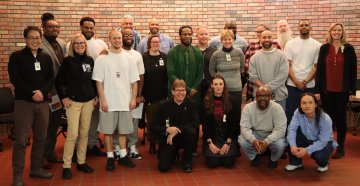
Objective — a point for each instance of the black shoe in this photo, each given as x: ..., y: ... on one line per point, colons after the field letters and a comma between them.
x: 116, y: 156
x: 66, y: 175
x: 152, y: 149
x: 340, y: 152
x: 256, y: 161
x: 272, y: 164
x: 95, y: 151
x: 126, y: 161
x: 18, y: 181
x: 41, y: 173
x: 188, y: 168
x: 110, y: 164
x: 84, y: 168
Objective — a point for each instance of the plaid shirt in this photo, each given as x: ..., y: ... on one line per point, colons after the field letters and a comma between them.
x: 251, y: 50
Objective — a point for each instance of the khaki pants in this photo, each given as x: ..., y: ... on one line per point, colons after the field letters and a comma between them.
x: 78, y: 119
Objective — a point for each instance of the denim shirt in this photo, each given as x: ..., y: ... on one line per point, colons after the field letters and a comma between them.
x: 319, y: 135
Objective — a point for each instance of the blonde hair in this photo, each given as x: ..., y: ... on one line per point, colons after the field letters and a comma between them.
x: 329, y: 38
x: 71, y: 51
x: 226, y: 33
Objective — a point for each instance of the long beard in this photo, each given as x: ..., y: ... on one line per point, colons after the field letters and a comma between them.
x: 283, y: 38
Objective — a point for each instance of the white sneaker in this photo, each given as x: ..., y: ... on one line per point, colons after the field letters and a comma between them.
x: 290, y: 168
x: 134, y: 153
x: 323, y: 169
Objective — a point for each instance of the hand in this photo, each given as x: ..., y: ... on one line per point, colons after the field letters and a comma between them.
x: 352, y: 98
x: 317, y: 96
x: 66, y: 102
x: 294, y: 150
x: 132, y: 104
x: 38, y: 96
x: 95, y: 101
x: 263, y: 146
x: 104, y: 105
x: 224, y: 149
x: 257, y: 146
x: 193, y: 92
x: 173, y: 130
x: 213, y: 148
x: 169, y: 138
x: 301, y: 152
x: 104, y: 52
x: 139, y: 99
x: 300, y: 85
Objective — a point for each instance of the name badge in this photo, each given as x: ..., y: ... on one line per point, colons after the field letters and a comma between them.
x: 228, y: 57
x: 224, y: 118
x: 37, y: 66
x: 161, y: 62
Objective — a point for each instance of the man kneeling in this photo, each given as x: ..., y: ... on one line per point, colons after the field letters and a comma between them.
x: 175, y: 122
x: 263, y: 125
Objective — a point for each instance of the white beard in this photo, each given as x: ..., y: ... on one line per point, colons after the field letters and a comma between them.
x: 283, y: 38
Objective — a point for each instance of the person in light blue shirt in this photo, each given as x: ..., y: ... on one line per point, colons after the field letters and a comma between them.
x: 310, y: 132
x: 166, y: 42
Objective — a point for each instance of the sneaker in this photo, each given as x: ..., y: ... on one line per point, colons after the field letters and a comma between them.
x: 84, y: 168
x: 256, y: 161
x: 323, y: 169
x: 272, y: 164
x: 290, y: 168
x: 187, y: 168
x: 116, y: 156
x: 95, y: 151
x: 134, y: 154
x: 110, y: 164
x: 126, y: 161
x: 66, y: 174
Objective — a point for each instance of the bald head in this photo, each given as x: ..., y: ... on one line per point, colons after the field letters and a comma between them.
x: 263, y: 97
x: 154, y: 26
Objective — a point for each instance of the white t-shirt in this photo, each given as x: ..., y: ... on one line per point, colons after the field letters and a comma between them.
x: 304, y: 53
x: 95, y: 46
x: 116, y: 72
x: 138, y: 59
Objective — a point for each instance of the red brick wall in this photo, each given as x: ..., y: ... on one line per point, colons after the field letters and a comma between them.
x: 16, y: 14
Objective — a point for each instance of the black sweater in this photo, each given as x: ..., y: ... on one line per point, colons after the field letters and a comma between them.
x: 350, y: 69
x: 73, y: 81
x: 183, y: 116
x: 25, y: 78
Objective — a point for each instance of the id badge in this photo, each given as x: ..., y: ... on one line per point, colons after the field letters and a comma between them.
x: 228, y: 57
x: 161, y: 62
x: 37, y: 66
x: 224, y: 118
x: 84, y: 67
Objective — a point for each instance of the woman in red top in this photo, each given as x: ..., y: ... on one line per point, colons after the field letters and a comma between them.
x: 336, y: 79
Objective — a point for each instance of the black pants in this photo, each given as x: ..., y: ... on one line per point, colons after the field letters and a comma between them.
x: 335, y: 105
x: 53, y: 127
x: 213, y: 162
x: 167, y: 153
x: 321, y: 157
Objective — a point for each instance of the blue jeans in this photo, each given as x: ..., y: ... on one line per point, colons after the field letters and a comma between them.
x: 276, y: 148
x: 292, y: 101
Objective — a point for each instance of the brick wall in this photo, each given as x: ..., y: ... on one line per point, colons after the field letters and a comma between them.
x: 16, y: 14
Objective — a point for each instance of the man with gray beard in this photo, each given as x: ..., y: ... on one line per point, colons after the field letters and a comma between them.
x: 284, y: 33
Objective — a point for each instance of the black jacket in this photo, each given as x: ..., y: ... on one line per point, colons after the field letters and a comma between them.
x: 25, y: 78
x: 350, y: 69
x: 73, y: 81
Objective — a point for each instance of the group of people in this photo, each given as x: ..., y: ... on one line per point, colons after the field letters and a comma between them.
x: 174, y: 88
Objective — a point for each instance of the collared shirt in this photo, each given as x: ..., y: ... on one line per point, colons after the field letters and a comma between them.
x: 239, y: 43
x: 320, y: 135
x: 166, y: 43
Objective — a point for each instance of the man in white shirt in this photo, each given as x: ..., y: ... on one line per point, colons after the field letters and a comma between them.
x: 116, y: 79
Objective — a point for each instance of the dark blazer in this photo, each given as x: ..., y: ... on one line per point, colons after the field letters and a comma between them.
x: 350, y: 69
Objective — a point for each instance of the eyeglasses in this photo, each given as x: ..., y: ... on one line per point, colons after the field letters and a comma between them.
x: 34, y: 38
x: 53, y: 26
x: 259, y: 31
x: 128, y: 35
x: 79, y: 43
